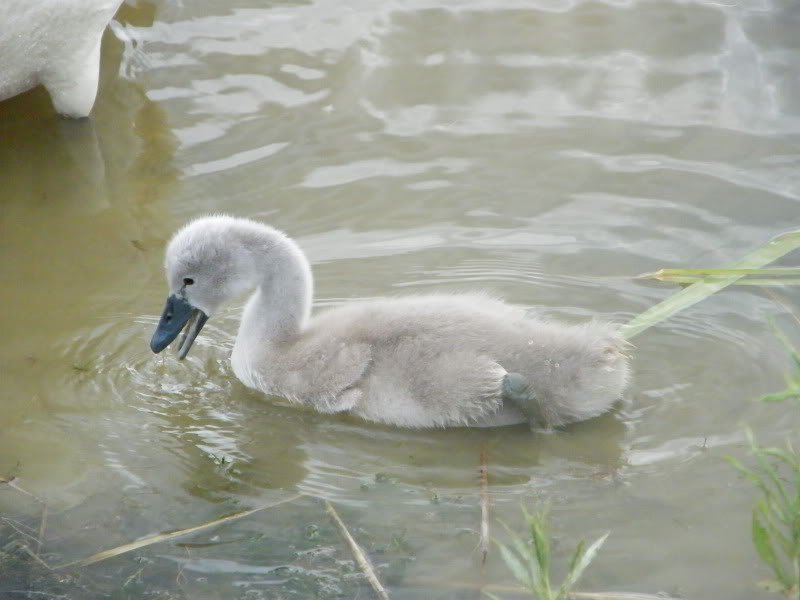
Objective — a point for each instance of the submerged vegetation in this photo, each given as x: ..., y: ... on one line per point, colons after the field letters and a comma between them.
x: 775, y: 525
x: 529, y: 561
x: 295, y: 566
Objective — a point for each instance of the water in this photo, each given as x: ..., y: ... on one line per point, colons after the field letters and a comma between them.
x: 540, y: 149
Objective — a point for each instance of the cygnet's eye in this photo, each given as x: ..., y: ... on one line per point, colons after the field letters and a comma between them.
x: 188, y: 281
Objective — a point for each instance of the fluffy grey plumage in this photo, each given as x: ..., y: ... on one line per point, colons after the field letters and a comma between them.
x: 414, y: 361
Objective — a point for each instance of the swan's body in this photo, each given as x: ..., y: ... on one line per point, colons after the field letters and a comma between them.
x: 416, y: 361
x: 55, y: 43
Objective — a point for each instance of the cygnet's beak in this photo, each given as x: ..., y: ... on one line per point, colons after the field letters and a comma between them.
x: 177, y: 313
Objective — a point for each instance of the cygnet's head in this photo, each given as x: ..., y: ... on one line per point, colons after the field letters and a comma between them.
x: 206, y: 263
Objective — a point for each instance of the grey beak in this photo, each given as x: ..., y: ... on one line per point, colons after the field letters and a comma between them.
x: 177, y: 314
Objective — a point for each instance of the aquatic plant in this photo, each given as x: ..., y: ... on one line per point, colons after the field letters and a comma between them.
x: 529, y: 560
x: 704, y: 282
x: 775, y: 524
x: 792, y: 391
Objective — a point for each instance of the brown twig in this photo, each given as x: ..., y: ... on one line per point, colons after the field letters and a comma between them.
x: 35, y: 556
x: 10, y: 482
x: 358, y: 554
x: 483, y: 475
x: 42, y: 526
x: 15, y: 526
x: 106, y: 554
x: 180, y: 578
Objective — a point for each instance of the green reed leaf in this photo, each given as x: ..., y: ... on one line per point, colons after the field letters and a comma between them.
x: 763, y: 545
x: 696, y: 292
x: 515, y: 565
x: 580, y: 560
x: 774, y: 525
x: 533, y: 572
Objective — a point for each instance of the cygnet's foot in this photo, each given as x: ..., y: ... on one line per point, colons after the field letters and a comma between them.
x: 516, y: 389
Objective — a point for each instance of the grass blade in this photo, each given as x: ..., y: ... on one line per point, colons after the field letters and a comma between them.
x: 696, y: 292
x: 787, y: 344
x: 765, y: 550
x: 580, y: 561
x: 771, y: 272
x: 620, y: 596
x: 42, y: 526
x: 489, y: 589
x: 770, y: 471
x: 773, y: 522
x: 755, y: 281
x: 106, y: 554
x: 569, y: 578
x: 768, y: 276
x: 541, y: 546
x: 781, y: 396
x: 358, y: 554
x: 34, y: 556
x: 11, y: 482
x: 515, y: 565
x: 783, y: 455
x: 534, y: 576
x: 483, y: 476
x: 748, y: 474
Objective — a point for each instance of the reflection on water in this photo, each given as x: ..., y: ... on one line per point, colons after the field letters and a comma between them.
x: 81, y: 204
x: 537, y: 149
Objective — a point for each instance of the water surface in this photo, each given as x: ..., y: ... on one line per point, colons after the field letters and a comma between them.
x: 543, y: 150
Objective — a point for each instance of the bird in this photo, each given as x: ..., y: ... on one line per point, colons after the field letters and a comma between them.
x: 55, y: 43
x: 418, y: 361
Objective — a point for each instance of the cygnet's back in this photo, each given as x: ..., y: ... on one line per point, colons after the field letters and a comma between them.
x: 439, y: 360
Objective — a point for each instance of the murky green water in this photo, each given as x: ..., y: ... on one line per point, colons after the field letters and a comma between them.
x: 532, y: 148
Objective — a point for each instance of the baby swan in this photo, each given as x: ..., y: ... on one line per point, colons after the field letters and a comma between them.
x: 416, y: 361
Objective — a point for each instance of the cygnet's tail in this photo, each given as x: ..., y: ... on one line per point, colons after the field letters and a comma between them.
x: 599, y: 382
x: 586, y: 372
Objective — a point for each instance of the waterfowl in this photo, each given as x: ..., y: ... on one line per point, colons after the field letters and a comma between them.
x: 55, y: 43
x: 415, y: 361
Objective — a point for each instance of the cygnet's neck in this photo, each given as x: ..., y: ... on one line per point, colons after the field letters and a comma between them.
x: 281, y: 305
